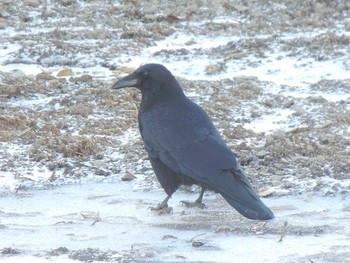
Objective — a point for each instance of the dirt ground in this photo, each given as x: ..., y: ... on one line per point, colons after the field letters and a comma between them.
x: 64, y: 123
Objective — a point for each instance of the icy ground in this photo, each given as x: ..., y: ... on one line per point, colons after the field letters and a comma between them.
x: 70, y: 220
x: 274, y: 76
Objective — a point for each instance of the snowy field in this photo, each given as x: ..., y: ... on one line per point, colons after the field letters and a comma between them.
x: 75, y: 182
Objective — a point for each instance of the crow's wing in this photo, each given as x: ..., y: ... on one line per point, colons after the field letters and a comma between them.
x: 174, y: 125
x: 213, y: 165
x: 182, y: 124
x: 182, y: 136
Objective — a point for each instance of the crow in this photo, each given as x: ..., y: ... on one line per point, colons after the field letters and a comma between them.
x: 184, y: 146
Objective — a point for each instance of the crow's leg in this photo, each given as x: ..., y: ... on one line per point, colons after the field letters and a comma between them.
x: 197, y: 203
x: 163, y: 207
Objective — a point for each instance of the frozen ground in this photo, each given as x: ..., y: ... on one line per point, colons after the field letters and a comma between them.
x: 273, y: 75
x: 99, y: 221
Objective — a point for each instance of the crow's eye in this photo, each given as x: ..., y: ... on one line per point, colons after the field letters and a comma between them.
x: 144, y: 74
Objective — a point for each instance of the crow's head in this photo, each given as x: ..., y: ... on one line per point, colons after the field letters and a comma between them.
x: 154, y: 81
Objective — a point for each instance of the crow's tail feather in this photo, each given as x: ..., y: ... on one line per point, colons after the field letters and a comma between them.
x: 255, y: 209
x: 239, y: 194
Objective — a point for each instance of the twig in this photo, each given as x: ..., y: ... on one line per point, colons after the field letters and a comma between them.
x: 24, y: 132
x: 197, y: 236
x: 283, y: 231
x: 98, y: 171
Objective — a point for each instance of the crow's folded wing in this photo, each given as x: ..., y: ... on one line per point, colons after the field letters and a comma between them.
x: 213, y: 165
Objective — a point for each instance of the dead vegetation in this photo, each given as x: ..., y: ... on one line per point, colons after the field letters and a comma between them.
x: 15, y: 127
x: 84, y: 119
x: 68, y: 145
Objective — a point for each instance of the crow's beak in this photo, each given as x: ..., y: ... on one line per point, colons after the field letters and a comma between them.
x: 128, y: 81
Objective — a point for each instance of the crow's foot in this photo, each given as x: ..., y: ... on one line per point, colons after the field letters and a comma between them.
x: 163, y: 208
x: 194, y: 204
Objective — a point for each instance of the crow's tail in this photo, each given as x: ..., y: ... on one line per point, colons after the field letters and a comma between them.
x: 239, y: 194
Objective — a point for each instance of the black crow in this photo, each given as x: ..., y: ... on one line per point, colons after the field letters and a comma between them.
x: 184, y: 146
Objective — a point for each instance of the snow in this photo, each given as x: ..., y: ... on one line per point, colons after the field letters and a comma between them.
x: 113, y: 221
x: 276, y: 67
x: 33, y: 259
x: 271, y: 122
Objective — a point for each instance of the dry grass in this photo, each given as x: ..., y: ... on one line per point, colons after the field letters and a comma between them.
x: 15, y: 126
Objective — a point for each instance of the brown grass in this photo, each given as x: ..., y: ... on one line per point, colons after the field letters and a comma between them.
x: 69, y: 146
x: 14, y: 126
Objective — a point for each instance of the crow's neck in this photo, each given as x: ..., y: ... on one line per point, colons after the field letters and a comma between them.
x: 158, y: 95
